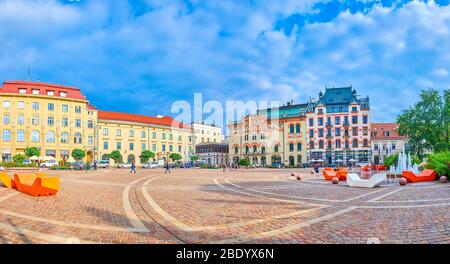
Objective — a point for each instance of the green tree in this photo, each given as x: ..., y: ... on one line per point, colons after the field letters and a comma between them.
x: 391, y: 160
x: 427, y: 123
x: 175, y: 157
x: 195, y: 158
x: 32, y: 151
x: 19, y: 158
x: 78, y: 154
x: 440, y: 162
x: 116, y: 156
x: 244, y: 162
x: 146, y: 155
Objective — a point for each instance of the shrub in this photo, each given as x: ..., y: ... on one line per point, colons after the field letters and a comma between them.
x: 19, y: 158
x: 60, y: 168
x: 32, y: 151
x: 15, y: 165
x: 78, y: 154
x: 440, y: 162
x: 244, y: 162
x: 391, y: 160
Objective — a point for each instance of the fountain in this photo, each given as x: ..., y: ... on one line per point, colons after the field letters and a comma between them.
x: 404, y: 163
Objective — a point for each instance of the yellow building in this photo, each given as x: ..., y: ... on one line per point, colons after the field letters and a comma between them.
x: 131, y: 134
x: 270, y: 137
x: 54, y: 118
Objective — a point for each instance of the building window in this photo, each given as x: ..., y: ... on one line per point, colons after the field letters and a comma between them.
x: 64, y: 137
x: 365, y: 143
x: 311, y: 144
x: 299, y: 146
x: 105, y: 145
x: 105, y: 131
x: 297, y: 128
x: 170, y: 136
x: 375, y: 146
x: 78, y: 109
x: 51, y: 106
x: 365, y: 120
x: 320, y: 121
x: 163, y: 136
x: 65, y: 108
x: 354, y: 109
x: 365, y: 131
x: 153, y: 135
x: 118, y: 145
x: 35, y: 105
x: 354, y: 119
x: 386, y: 133
x: 6, y: 104
x: 311, y: 122
x: 20, y: 136
x: 77, y: 122
x: 338, y: 143
x: 131, y: 146
x: 163, y: 147
x: 6, y: 119
x: 143, y: 135
x: 321, y: 132
x: 263, y: 150
x: 77, y: 138
x: 355, y: 131
x: 35, y: 91
x: 153, y: 147
x: 20, y: 119
x: 179, y: 149
x: 35, y: 120
x: 337, y: 120
x: 291, y: 129
x: 247, y: 150
x: 236, y: 150
x: 90, y: 140
x: 180, y: 138
x: 35, y: 136
x: 50, y: 138
x: 320, y: 144
x: 392, y: 146
x: 143, y: 146
x: 311, y: 133
x: 6, y: 135
x: 291, y: 147
x: 63, y: 94
x: 90, y: 124
x: 346, y: 144
x: 276, y: 148
x: 21, y: 105
x: 50, y: 120
x: 50, y: 92
x: 118, y: 132
x: 22, y: 90
x: 355, y: 143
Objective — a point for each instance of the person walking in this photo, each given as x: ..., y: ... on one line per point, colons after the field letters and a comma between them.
x: 167, y: 167
x: 133, y: 168
x: 223, y: 166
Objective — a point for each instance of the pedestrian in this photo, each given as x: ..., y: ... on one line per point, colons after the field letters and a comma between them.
x: 133, y: 168
x: 223, y: 166
x: 167, y: 167
x: 95, y: 165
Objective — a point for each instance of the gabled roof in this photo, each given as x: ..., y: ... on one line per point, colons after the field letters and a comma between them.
x: 151, y: 120
x: 381, y: 127
x: 342, y: 95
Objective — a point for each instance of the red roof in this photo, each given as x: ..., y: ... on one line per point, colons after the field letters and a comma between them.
x: 162, y: 121
x: 14, y: 86
x: 381, y: 127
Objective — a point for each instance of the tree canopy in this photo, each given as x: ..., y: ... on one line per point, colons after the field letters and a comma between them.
x: 175, y: 156
x: 426, y: 124
x: 78, y: 154
x: 116, y: 156
x: 32, y: 151
x: 146, y: 155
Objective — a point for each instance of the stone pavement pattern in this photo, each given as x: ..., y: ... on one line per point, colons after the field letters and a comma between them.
x: 210, y: 206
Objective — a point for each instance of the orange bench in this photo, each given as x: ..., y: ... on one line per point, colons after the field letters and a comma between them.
x: 38, y: 184
x: 7, y: 181
x: 425, y: 175
x: 330, y: 173
x: 380, y: 167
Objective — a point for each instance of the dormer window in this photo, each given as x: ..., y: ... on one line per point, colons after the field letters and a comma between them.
x: 35, y: 91
x: 22, y: 90
x: 50, y: 92
x: 63, y: 94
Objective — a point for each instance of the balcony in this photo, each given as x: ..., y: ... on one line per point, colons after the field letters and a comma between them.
x: 346, y: 124
x: 328, y: 125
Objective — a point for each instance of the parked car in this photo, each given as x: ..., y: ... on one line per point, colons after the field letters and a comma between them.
x: 49, y: 164
x: 27, y: 162
x: 150, y: 165
x: 78, y: 165
x: 103, y: 164
x: 124, y: 165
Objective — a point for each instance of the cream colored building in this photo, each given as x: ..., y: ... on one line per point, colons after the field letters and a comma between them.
x: 204, y: 133
x: 270, y: 137
x: 54, y: 118
x: 131, y: 134
x: 386, y: 141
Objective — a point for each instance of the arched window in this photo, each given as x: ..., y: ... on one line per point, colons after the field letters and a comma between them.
x: 320, y: 144
x: 255, y: 149
x: 50, y: 138
x: 338, y: 143
x: 263, y: 150
x: 297, y: 128
x: 291, y: 147
x: 35, y: 136
x: 64, y: 137
x: 299, y: 146
x: 236, y: 150
x: 291, y: 129
x: 355, y: 143
x: 299, y: 159
x: 276, y: 148
x: 247, y: 149
x: 6, y: 135
x: 365, y: 142
x: 20, y: 135
x: 77, y: 138
x: 311, y: 144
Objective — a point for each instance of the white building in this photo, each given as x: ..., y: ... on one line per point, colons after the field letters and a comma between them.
x: 214, y: 154
x: 204, y: 133
x: 386, y: 141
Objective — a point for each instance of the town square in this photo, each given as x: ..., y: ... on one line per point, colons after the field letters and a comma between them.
x: 224, y: 123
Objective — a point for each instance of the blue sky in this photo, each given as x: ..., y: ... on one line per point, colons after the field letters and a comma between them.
x: 142, y: 55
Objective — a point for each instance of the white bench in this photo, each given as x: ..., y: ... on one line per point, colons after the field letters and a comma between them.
x: 353, y: 180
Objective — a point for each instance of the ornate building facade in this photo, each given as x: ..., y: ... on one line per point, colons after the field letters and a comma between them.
x: 386, y: 141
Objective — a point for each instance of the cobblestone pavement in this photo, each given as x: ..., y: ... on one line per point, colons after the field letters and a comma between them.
x: 211, y: 206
